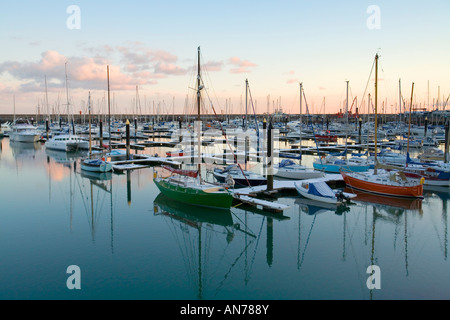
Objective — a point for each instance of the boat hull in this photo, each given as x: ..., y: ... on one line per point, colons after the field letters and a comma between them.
x: 335, y: 168
x: 304, y: 193
x: 26, y: 138
x: 240, y: 181
x: 219, y: 200
x: 103, y: 167
x: 298, y: 174
x: 415, y: 191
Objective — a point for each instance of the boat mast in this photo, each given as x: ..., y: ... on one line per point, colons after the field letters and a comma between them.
x: 301, y: 120
x: 90, y: 136
x: 409, y: 125
x: 67, y: 97
x: 246, y: 104
x: 109, y: 112
x: 346, y: 122
x: 199, y: 87
x: 376, y: 111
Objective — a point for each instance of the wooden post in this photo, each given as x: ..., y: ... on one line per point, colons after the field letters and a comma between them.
x: 270, y: 158
x: 446, y: 141
x: 128, y: 139
x: 47, y: 128
x: 360, y: 125
x: 101, y: 134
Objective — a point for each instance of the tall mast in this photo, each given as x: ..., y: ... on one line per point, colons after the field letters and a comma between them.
x: 199, y: 88
x: 346, y: 105
x: 90, y: 136
x: 109, y: 112
x: 46, y: 99
x: 301, y: 119
x: 400, y: 98
x: 67, y: 96
x: 246, y: 103
x: 376, y: 111
x: 409, y: 125
x: 198, y: 85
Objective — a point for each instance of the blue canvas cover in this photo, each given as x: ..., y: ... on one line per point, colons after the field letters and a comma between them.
x: 285, y: 163
x: 321, y: 189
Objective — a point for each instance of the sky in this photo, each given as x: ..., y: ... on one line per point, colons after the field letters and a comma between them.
x: 151, y: 50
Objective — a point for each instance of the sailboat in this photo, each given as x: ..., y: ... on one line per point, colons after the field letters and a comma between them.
x: 67, y: 142
x: 386, y: 183
x: 333, y: 163
x: 94, y: 165
x: 194, y: 190
x: 288, y: 169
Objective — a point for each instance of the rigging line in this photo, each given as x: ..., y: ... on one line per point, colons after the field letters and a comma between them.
x: 367, y: 85
x: 252, y: 234
x: 224, y: 134
x: 307, y: 241
x: 312, y: 128
x: 82, y: 197
x: 254, y: 112
x: 256, y: 245
x: 231, y: 268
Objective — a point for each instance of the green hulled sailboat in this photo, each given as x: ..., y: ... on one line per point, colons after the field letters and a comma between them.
x: 188, y: 186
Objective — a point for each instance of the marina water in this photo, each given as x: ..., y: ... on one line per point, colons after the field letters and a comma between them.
x: 130, y: 242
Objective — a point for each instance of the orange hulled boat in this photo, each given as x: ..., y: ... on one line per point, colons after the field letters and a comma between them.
x: 393, y: 184
x: 383, y: 182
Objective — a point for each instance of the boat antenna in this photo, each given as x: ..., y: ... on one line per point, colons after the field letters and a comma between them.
x: 376, y: 112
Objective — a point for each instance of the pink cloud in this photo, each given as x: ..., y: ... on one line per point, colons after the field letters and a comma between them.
x: 82, y: 72
x: 290, y: 81
x: 241, y: 66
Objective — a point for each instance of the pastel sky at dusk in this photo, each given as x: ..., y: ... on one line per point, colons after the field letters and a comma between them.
x: 274, y: 44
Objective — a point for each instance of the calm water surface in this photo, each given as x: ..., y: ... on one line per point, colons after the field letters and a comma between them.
x: 132, y: 243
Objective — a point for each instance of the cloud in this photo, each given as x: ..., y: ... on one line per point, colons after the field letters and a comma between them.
x: 290, y: 81
x: 240, y: 66
x: 140, y: 66
x: 82, y: 72
x: 211, y: 66
x: 168, y: 68
x: 138, y: 59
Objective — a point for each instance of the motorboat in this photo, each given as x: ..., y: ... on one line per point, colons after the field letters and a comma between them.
x: 238, y: 177
x: 288, y: 169
x: 320, y: 191
x: 67, y: 143
x: 23, y: 131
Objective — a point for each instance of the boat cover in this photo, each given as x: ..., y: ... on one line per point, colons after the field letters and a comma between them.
x: 188, y: 173
x: 286, y: 163
x: 321, y: 189
x: 94, y: 162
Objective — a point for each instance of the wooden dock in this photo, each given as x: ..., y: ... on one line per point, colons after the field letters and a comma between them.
x: 143, y: 162
x: 249, y: 195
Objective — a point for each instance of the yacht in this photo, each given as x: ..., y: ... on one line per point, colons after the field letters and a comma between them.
x: 67, y: 143
x: 23, y: 131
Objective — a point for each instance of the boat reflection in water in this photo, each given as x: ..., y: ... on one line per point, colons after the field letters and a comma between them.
x: 393, y: 202
x: 214, y: 231
x: 97, y: 176
x: 192, y: 215
x: 313, y: 207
